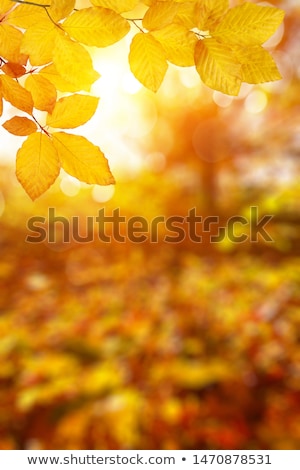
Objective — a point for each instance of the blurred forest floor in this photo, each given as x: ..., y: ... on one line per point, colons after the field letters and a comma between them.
x: 146, y: 346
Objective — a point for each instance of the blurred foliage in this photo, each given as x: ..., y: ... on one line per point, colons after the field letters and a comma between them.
x: 163, y: 346
x: 158, y: 346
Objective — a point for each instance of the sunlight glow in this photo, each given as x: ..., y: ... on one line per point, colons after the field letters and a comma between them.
x: 155, y: 162
x: 70, y: 186
x: 103, y: 193
x: 222, y: 100
x: 189, y: 77
x: 126, y: 113
x: 256, y: 102
x: 130, y: 84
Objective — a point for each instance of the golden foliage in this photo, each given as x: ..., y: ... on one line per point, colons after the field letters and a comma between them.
x: 178, y: 43
x: 119, y: 6
x: 42, y: 91
x: 217, y: 66
x: 147, y: 60
x: 17, y: 95
x: 20, y: 126
x: 10, y: 40
x: 248, y: 24
x: 46, y: 39
x: 82, y: 159
x: 74, y: 63
x: 96, y: 26
x: 160, y: 14
x: 72, y: 111
x: 37, y: 164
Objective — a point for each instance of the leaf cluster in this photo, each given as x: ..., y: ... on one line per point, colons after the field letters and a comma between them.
x: 44, y: 55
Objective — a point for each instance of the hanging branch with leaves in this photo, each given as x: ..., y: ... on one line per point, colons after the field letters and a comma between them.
x: 42, y: 51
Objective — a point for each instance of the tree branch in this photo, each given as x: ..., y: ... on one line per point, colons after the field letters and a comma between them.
x: 30, y: 3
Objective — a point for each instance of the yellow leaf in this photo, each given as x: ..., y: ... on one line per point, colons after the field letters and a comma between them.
x: 5, y: 6
x: 96, y: 26
x: 248, y: 25
x: 13, y: 70
x: 178, y: 43
x: 201, y: 14
x: 117, y: 5
x: 258, y: 65
x: 160, y: 15
x: 38, y: 42
x: 82, y: 159
x: 25, y: 16
x: 20, y: 126
x: 217, y: 66
x: 147, y: 60
x: 43, y: 92
x: 186, y: 15
x: 61, y: 9
x: 72, y: 111
x: 10, y: 44
x: 16, y: 94
x: 74, y: 63
x: 57, y: 80
x: 210, y: 12
x: 37, y: 165
x: 1, y: 106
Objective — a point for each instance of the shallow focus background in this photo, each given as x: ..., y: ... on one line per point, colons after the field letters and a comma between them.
x: 161, y: 346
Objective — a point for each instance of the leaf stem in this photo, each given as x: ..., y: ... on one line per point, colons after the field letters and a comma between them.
x: 200, y: 36
x: 40, y: 126
x: 51, y: 19
x: 134, y: 20
x: 25, y: 2
x: 30, y: 3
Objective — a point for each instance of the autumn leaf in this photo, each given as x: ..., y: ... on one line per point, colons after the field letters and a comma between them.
x: 37, y: 165
x: 258, y: 66
x: 13, y: 92
x: 120, y: 6
x: 1, y: 105
x: 24, y: 16
x: 209, y: 12
x: 178, y: 44
x: 74, y: 63
x: 248, y: 25
x: 72, y: 111
x: 160, y: 15
x: 217, y: 66
x: 10, y: 44
x: 61, y: 9
x: 46, y: 41
x: 39, y: 41
x: 5, y: 6
x: 20, y: 126
x: 96, y: 26
x: 82, y: 159
x: 186, y: 15
x: 60, y: 83
x: 42, y: 91
x: 13, y: 70
x: 147, y: 60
